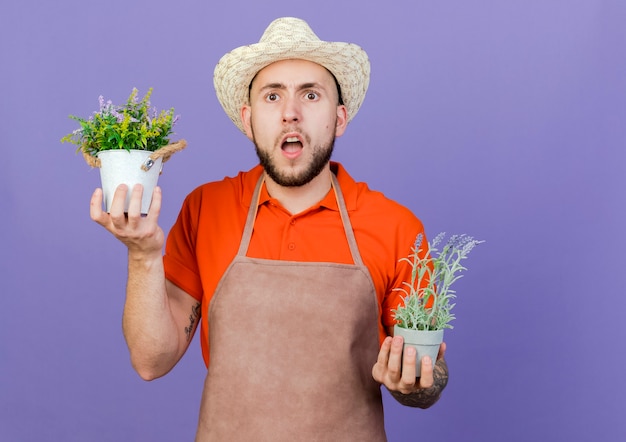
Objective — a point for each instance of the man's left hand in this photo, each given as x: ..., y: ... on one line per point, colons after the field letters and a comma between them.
x: 397, y: 371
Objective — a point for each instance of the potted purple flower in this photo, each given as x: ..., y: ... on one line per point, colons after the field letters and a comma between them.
x: 426, y: 310
x: 129, y: 143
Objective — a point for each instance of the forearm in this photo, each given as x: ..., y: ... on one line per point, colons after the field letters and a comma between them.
x: 151, y: 332
x: 426, y: 397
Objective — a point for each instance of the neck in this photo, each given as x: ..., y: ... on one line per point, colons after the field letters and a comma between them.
x: 298, y: 199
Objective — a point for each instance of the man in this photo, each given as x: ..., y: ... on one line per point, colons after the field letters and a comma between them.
x: 291, y: 265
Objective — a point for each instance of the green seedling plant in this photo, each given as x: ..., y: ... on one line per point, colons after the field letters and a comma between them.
x: 134, y: 125
x: 429, y: 298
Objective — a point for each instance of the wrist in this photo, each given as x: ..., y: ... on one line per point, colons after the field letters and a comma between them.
x: 420, y: 398
x: 144, y: 257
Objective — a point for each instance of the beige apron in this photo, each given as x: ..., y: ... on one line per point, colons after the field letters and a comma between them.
x: 292, y: 349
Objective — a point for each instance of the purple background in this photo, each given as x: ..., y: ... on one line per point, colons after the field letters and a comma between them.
x: 502, y: 119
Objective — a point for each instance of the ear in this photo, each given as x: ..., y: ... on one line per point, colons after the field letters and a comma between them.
x: 342, y: 120
x: 246, y: 114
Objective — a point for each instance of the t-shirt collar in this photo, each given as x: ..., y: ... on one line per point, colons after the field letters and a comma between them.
x: 346, y: 182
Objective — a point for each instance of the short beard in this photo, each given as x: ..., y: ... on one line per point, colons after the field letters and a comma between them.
x: 321, y: 157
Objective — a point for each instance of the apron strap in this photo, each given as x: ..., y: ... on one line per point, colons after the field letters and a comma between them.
x: 254, y: 205
x: 347, y: 225
x: 343, y: 211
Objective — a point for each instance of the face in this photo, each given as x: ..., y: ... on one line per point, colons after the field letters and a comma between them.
x: 293, y: 119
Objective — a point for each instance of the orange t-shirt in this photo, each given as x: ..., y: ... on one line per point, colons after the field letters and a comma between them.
x: 206, y: 236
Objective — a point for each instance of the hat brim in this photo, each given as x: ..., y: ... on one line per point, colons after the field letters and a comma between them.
x: 236, y: 70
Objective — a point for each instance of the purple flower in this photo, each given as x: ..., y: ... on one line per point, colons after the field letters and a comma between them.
x: 117, y: 115
x: 418, y: 240
x: 469, y: 245
x: 437, y: 239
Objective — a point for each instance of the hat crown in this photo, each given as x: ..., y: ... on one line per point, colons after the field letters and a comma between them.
x: 288, y: 29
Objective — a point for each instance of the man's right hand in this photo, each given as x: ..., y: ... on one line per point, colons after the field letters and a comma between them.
x: 141, y: 234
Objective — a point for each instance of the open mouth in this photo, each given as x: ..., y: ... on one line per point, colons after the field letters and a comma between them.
x: 292, y: 146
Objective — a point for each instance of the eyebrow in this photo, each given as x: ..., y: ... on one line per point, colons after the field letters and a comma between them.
x: 300, y: 87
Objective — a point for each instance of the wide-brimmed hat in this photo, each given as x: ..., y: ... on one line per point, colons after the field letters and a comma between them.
x: 290, y: 38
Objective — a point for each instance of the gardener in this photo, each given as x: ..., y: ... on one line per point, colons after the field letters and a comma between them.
x: 291, y: 265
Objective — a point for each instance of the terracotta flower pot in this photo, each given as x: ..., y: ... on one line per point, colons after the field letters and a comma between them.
x: 125, y: 167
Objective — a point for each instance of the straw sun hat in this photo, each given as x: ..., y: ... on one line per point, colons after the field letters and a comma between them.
x: 290, y: 38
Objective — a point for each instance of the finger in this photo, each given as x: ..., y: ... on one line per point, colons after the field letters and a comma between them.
x: 394, y: 365
x: 155, y: 205
x: 426, y: 376
x: 134, y: 205
x: 442, y: 351
x: 408, y: 368
x: 117, y: 206
x: 380, y: 367
x: 383, y: 354
x: 95, y: 206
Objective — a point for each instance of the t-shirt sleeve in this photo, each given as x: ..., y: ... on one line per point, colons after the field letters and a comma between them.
x: 180, y: 260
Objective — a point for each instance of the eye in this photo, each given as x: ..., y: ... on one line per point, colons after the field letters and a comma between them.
x: 311, y: 96
x: 272, y: 97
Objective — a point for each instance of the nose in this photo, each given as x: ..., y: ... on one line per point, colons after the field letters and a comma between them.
x: 291, y: 110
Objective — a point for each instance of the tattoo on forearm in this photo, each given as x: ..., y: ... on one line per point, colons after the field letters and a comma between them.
x: 193, y: 317
x: 425, y: 397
